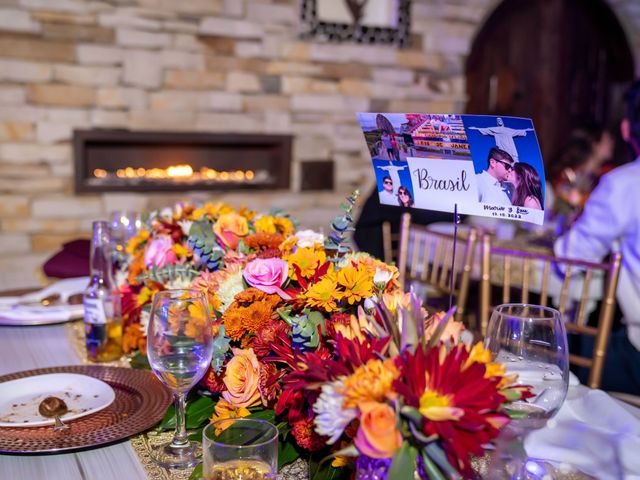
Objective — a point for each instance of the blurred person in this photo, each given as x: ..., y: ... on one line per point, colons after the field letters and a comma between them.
x: 577, y: 170
x: 404, y: 197
x: 527, y: 187
x: 491, y: 181
x: 611, y: 222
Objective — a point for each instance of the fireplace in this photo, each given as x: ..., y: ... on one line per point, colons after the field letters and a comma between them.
x: 120, y: 160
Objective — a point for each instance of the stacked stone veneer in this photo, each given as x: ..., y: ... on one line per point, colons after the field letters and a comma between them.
x: 204, y: 66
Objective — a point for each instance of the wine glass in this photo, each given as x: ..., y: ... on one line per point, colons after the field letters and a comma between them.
x: 530, y: 341
x: 179, y: 347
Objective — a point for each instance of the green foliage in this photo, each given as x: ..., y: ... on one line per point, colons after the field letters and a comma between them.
x: 204, y: 244
x: 320, y: 469
x: 220, y: 349
x: 403, y: 464
x: 197, y: 473
x: 169, y: 273
x: 340, y: 227
x: 197, y: 414
x: 139, y: 361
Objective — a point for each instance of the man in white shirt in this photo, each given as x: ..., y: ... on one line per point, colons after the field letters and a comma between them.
x: 387, y: 197
x: 490, y: 189
x: 611, y: 222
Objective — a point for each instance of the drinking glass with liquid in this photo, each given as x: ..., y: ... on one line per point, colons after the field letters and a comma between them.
x: 101, y: 298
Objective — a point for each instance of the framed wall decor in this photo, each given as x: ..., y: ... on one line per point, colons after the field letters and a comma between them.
x: 361, y: 21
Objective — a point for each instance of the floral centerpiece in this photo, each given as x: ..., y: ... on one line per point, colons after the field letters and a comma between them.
x: 321, y: 342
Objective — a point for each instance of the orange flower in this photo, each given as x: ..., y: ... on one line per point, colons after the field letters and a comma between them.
x: 241, y: 378
x: 307, y: 259
x: 265, y: 223
x: 378, y: 435
x: 225, y: 410
x: 369, y: 383
x: 230, y: 227
x: 263, y: 240
x: 284, y: 226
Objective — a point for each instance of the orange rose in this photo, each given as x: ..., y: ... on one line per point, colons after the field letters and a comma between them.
x: 230, y: 227
x: 241, y: 379
x: 378, y: 435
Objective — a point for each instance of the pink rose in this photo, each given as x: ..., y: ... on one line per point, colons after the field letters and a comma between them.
x: 160, y: 252
x: 267, y: 274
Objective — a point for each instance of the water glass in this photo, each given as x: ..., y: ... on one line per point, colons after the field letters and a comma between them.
x: 179, y: 347
x: 240, y: 449
x: 531, y: 341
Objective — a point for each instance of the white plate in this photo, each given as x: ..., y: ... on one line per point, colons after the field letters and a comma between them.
x: 16, y: 315
x: 19, y: 399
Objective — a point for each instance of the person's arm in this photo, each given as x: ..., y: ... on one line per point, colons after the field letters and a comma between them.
x: 603, y: 220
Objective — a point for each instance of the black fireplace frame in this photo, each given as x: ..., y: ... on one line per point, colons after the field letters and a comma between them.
x: 276, y: 150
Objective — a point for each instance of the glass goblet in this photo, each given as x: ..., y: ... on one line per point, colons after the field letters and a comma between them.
x: 240, y: 449
x: 530, y: 341
x: 179, y: 347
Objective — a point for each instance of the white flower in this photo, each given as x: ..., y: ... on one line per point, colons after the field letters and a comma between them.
x: 331, y: 417
x: 144, y: 320
x: 308, y: 238
x: 229, y: 288
x: 185, y: 225
x: 353, y: 256
x: 382, y: 277
x: 166, y: 213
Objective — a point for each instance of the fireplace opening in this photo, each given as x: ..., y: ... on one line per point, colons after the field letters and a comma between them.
x: 120, y: 160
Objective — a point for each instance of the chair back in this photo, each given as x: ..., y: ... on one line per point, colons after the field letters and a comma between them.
x: 389, y: 243
x: 574, y: 285
x: 426, y: 257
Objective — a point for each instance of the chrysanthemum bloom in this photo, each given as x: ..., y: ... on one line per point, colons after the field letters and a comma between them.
x: 307, y: 259
x: 331, y: 417
x: 357, y: 284
x: 263, y: 240
x: 457, y: 401
x: 369, y: 383
x: 284, y: 226
x: 323, y: 295
x: 264, y: 223
x: 305, y: 435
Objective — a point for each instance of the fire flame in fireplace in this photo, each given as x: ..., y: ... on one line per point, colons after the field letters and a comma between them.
x: 181, y: 172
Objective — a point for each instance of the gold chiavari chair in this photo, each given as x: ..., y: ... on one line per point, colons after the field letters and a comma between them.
x: 389, y: 243
x: 518, y: 275
x: 425, y: 257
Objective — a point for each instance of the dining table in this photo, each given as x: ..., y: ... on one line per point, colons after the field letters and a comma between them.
x: 32, y: 347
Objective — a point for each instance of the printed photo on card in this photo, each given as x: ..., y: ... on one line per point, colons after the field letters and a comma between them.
x: 486, y: 165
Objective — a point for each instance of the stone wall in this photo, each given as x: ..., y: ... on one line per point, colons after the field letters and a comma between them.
x: 204, y: 66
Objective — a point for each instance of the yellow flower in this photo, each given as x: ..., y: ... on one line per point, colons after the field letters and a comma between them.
x: 284, y: 226
x: 180, y: 250
x: 211, y: 210
x: 136, y: 241
x: 265, y: 223
x: 480, y: 354
x: 438, y: 408
x: 307, y: 259
x: 323, y: 294
x: 357, y: 325
x: 357, y: 284
x: 145, y: 295
x: 369, y: 383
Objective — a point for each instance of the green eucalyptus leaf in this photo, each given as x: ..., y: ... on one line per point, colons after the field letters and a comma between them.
x: 197, y: 473
x: 139, y: 361
x: 198, y: 412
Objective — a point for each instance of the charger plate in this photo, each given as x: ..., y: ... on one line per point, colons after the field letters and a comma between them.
x: 140, y: 402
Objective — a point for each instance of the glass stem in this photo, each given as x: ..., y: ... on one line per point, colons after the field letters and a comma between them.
x: 180, y: 437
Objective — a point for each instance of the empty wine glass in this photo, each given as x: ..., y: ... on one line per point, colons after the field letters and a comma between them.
x: 179, y: 347
x: 530, y: 341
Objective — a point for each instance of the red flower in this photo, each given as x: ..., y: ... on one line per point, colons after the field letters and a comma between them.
x: 458, y: 404
x: 337, y: 318
x: 266, y: 336
x: 269, y: 382
x: 213, y: 381
x: 305, y: 435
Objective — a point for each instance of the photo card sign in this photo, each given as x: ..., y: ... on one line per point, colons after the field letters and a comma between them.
x: 489, y: 166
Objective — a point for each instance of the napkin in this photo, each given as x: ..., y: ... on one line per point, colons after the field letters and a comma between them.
x: 593, y: 433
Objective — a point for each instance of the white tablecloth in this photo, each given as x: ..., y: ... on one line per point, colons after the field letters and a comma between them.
x: 25, y: 348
